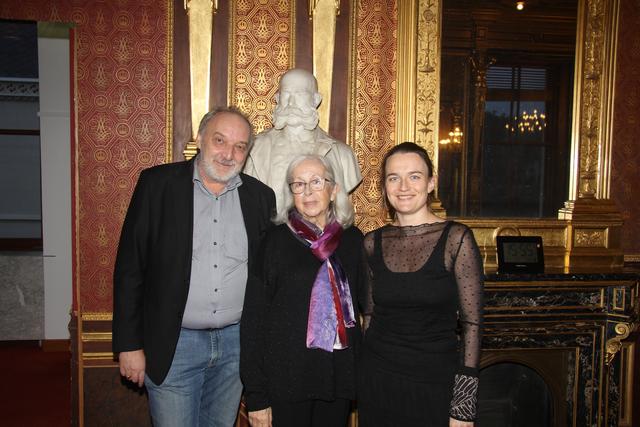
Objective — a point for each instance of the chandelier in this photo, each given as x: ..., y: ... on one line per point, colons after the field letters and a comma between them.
x: 528, y: 122
x: 455, y: 137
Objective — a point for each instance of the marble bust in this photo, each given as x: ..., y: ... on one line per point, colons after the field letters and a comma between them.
x: 295, y: 131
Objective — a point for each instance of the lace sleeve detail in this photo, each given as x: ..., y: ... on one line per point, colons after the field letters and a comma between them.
x: 464, y: 402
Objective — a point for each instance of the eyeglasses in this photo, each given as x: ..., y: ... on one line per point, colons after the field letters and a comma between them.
x: 317, y: 184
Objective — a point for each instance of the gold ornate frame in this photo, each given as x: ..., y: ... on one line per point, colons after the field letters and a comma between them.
x: 586, y: 234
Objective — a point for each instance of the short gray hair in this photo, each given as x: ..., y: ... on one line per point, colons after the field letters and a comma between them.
x: 231, y: 110
x: 341, y: 208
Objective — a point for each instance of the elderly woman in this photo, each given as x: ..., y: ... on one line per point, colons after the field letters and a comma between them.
x: 426, y: 283
x: 300, y: 327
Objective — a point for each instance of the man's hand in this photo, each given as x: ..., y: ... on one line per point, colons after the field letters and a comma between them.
x: 132, y: 364
x: 261, y: 418
x: 457, y: 423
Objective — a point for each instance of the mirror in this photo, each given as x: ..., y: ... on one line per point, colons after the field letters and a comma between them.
x: 506, y: 100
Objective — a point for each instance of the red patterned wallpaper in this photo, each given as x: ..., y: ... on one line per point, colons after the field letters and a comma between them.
x: 625, y: 174
x: 374, y: 109
x: 121, y: 104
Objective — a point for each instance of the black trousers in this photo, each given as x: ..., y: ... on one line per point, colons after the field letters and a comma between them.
x: 311, y: 413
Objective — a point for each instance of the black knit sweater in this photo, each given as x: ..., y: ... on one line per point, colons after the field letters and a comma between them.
x: 275, y: 364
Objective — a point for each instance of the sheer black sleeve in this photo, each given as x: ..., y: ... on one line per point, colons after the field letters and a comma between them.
x: 466, y: 264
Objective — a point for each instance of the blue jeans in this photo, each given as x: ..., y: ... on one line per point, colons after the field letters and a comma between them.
x: 203, y: 385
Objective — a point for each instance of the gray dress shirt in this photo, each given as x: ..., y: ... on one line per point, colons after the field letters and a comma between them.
x: 219, y: 258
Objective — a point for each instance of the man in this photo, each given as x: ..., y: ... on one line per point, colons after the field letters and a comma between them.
x: 186, y: 252
x: 295, y: 131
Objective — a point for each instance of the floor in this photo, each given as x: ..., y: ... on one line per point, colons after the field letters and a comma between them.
x: 37, y: 385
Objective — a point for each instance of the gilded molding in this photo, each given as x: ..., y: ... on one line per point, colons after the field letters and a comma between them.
x: 96, y: 336
x: 93, y: 316
x: 619, y: 299
x: 200, y: 13
x: 168, y: 157
x: 406, y: 65
x: 593, y: 100
x: 428, y: 77
x: 323, y: 14
x: 614, y: 344
x: 632, y: 258
x: 92, y: 356
x: 626, y: 392
x: 352, y: 70
x: 485, y: 230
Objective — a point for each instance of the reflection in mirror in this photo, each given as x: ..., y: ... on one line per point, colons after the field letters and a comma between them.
x: 505, y: 111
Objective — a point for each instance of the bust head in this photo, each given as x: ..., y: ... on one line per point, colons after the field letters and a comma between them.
x: 297, y: 100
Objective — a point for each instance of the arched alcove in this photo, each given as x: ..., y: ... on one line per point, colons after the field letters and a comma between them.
x: 512, y: 394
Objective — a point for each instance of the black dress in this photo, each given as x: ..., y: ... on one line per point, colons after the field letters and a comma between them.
x: 275, y: 364
x: 421, y: 351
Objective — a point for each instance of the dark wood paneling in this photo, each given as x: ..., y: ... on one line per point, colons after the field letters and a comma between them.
x: 109, y: 400
x: 220, y: 56
x: 303, y: 37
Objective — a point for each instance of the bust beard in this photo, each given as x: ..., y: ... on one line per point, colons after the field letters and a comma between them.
x: 290, y: 116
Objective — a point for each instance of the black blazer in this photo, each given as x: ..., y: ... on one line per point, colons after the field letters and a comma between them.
x: 153, y: 264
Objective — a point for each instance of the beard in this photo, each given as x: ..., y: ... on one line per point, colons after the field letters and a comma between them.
x: 209, y: 168
x: 307, y: 117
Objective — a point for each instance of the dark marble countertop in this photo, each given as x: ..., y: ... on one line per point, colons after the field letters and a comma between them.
x: 621, y: 274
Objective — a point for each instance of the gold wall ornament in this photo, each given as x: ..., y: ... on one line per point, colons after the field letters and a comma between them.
x: 593, y: 99
x: 261, y: 48
x: 323, y: 14
x: 590, y: 238
x: 428, y: 76
x: 200, y: 14
x: 418, y: 96
x: 614, y: 344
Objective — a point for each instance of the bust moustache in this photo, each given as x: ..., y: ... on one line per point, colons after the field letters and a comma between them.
x: 305, y: 116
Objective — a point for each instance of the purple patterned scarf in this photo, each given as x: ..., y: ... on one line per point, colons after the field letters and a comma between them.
x: 331, y: 306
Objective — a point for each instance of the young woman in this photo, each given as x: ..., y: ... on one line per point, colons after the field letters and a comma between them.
x: 425, y: 287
